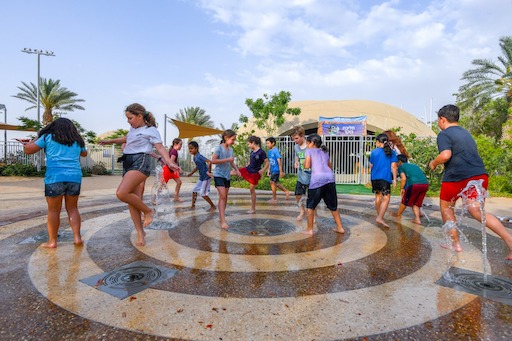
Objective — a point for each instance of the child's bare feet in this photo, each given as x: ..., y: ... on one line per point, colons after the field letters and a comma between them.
x: 78, y: 242
x: 178, y: 200
x: 287, y: 195
x: 300, y: 216
x: 381, y: 222
x: 49, y: 245
x: 416, y: 221
x: 141, y: 240
x: 509, y: 256
x: 224, y: 225
x: 148, y: 218
x: 212, y: 209
x: 455, y: 247
x: 339, y: 229
x: 272, y: 201
x: 192, y: 207
x: 396, y: 215
x: 251, y: 211
x: 310, y: 232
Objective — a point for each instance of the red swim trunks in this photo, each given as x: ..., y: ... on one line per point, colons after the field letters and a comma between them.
x: 450, y: 190
x: 252, y: 178
x: 169, y: 174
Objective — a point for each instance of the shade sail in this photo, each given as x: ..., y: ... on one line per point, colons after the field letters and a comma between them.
x: 13, y: 127
x: 188, y: 130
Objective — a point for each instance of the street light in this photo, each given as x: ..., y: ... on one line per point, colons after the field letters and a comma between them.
x: 165, y: 129
x: 4, y: 108
x: 39, y: 53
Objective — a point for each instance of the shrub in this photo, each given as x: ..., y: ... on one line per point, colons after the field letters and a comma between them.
x: 100, y: 169
x: 288, y: 182
x: 20, y: 169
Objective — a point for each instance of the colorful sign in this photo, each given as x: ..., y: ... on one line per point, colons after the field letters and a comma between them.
x: 342, y: 126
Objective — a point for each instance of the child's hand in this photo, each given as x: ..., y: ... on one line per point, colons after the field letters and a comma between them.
x: 209, y: 174
x: 296, y: 164
x: 281, y: 174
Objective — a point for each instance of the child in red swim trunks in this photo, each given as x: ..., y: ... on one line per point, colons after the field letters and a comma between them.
x: 252, y: 173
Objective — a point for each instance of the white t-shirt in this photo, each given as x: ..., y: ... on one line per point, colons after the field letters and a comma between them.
x: 141, y: 140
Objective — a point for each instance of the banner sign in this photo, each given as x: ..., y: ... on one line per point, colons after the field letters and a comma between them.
x: 342, y: 126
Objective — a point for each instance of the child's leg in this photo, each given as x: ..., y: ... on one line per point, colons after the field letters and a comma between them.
x: 282, y: 188
x: 448, y: 214
x: 130, y: 191
x: 223, y: 199
x: 208, y: 200
x: 274, y: 192
x: 136, y: 216
x: 54, y: 207
x: 398, y: 213
x: 252, y: 188
x: 382, y: 207
x: 194, y: 198
x: 337, y: 220
x: 177, y: 190
x: 416, y: 211
x: 311, y: 219
x: 71, y: 202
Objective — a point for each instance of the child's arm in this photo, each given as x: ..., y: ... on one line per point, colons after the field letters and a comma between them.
x: 329, y: 163
x: 403, y: 180
x: 190, y: 174
x: 216, y: 160
x: 235, y: 167
x: 394, y: 169
x: 209, y: 172
x: 307, y: 162
x: 165, y: 156
x: 442, y: 158
x: 118, y: 140
x: 281, y: 173
x: 264, y: 168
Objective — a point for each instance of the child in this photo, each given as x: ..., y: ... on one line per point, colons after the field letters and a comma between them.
x: 462, y: 163
x: 63, y: 147
x: 303, y: 174
x: 396, y: 143
x: 275, y: 170
x: 204, y: 166
x: 169, y: 174
x: 141, y: 139
x: 413, y: 187
x: 322, y: 184
x: 253, y: 171
x: 223, y: 160
x: 383, y: 170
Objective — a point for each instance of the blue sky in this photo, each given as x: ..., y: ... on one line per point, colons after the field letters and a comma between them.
x: 168, y: 55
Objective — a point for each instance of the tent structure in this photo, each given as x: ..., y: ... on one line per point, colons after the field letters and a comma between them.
x: 13, y: 127
x: 188, y: 130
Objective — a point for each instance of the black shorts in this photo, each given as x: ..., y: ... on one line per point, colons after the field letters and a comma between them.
x: 381, y: 186
x: 62, y: 188
x: 301, y: 189
x: 221, y: 182
x: 274, y: 177
x: 326, y: 192
x: 140, y: 162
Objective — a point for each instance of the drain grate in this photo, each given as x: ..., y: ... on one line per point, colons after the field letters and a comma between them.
x: 42, y: 237
x: 261, y: 227
x: 493, y: 288
x: 129, y: 279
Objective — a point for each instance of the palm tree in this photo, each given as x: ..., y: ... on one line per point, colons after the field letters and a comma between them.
x: 489, y: 79
x: 194, y: 115
x: 51, y: 96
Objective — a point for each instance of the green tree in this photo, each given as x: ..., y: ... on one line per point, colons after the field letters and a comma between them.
x: 116, y: 134
x: 51, y: 96
x: 270, y: 112
x: 194, y: 115
x: 487, y: 120
x: 489, y: 79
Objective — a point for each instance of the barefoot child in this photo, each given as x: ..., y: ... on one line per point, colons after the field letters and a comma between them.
x: 253, y: 171
x: 140, y: 140
x: 303, y: 174
x: 462, y: 163
x: 322, y: 184
x: 169, y: 173
x: 63, y: 146
x: 204, y: 166
x: 223, y: 160
x: 383, y: 169
x: 413, y: 187
x: 275, y: 170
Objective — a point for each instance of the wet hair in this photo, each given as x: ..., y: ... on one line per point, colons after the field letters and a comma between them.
x: 271, y: 140
x: 402, y: 158
x: 396, y: 141
x: 137, y: 109
x: 64, y: 132
x: 254, y: 139
x: 317, y: 140
x: 176, y: 141
x: 226, y: 134
x: 450, y: 112
x: 194, y: 144
x: 297, y: 130
x: 383, y: 138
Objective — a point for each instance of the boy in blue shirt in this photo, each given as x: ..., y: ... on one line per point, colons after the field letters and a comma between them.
x: 204, y: 166
x: 276, y: 170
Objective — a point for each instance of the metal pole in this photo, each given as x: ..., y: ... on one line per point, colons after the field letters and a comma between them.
x: 5, y: 135
x: 165, y: 130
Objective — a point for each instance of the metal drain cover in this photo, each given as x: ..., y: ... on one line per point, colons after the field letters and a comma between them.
x: 129, y: 279
x: 261, y: 227
x: 493, y: 288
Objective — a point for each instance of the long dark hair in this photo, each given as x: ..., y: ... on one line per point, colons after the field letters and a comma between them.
x: 226, y: 134
x: 64, y: 132
x: 383, y: 138
x: 317, y: 140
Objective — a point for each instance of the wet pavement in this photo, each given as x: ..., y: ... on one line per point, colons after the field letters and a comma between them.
x: 262, y: 280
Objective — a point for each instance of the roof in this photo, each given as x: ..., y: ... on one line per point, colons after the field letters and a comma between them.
x: 380, y: 116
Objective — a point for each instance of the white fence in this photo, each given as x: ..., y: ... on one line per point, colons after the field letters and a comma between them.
x: 349, y: 156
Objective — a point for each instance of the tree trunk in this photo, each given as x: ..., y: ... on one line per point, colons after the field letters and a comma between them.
x: 47, y: 117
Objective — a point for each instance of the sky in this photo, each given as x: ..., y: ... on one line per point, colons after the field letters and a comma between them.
x: 214, y: 54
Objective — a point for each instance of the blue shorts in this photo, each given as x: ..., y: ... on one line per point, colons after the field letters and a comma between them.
x: 221, y: 182
x: 140, y: 162
x: 274, y: 177
x: 301, y: 189
x: 62, y: 188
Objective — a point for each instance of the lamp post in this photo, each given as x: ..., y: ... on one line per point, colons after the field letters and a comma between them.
x: 165, y: 130
x: 39, y: 53
x: 4, y: 108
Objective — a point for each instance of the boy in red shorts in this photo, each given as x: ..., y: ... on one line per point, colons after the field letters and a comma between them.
x: 462, y: 163
x: 413, y: 187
